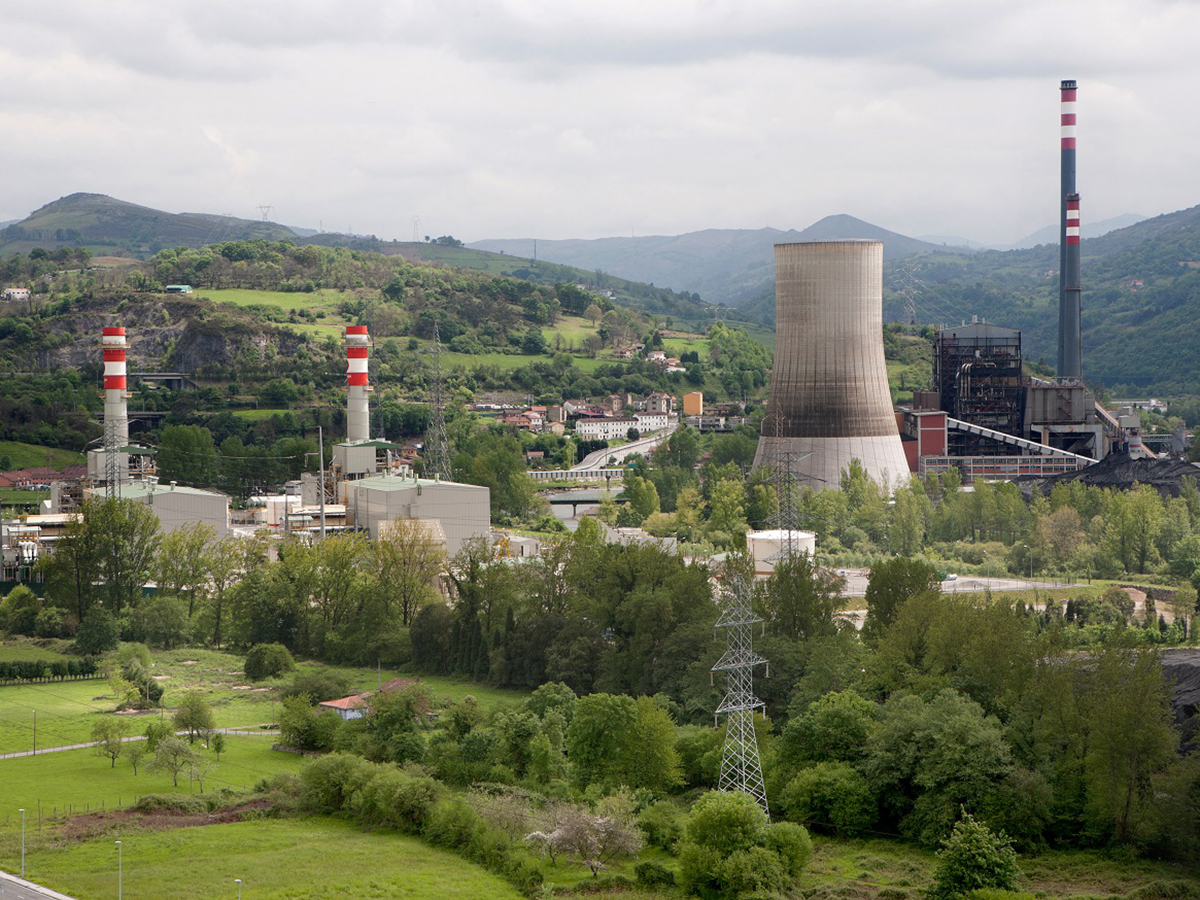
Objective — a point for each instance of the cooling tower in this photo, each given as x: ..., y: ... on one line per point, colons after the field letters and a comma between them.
x: 830, y: 401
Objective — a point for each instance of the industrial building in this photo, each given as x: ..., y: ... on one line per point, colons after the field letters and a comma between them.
x: 459, y: 512
x: 366, y: 487
x: 830, y: 402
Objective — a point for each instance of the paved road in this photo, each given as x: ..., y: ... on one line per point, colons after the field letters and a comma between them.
x: 14, y: 888
x: 856, y: 583
x: 599, y: 459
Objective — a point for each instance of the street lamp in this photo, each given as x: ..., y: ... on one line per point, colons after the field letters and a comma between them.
x: 238, y: 882
x: 119, y: 873
x: 22, y: 811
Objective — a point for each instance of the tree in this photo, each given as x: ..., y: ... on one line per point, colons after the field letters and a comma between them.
x: 891, y: 584
x: 407, y: 562
x: 597, y: 739
x: 109, y: 734
x: 974, y: 857
x: 194, y: 716
x: 127, y: 538
x: 267, y: 661
x: 173, y: 755
x: 595, y: 839
x: 218, y: 745
x: 801, y: 599
x: 136, y: 750
x: 186, y: 454
x: 1130, y: 735
x: 98, y: 632
x: 182, y: 562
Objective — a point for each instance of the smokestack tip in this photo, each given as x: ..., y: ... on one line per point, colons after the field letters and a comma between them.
x: 114, y: 331
x: 1068, y: 84
x: 356, y: 329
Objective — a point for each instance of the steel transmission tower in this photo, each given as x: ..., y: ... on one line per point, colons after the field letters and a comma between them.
x: 112, y: 458
x: 437, y: 445
x: 741, y: 768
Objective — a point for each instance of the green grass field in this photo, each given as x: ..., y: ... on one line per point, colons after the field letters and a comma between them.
x: 275, y: 858
x: 66, y: 710
x: 31, y: 456
x: 259, y: 415
x: 26, y: 649
x: 80, y: 780
x: 278, y: 299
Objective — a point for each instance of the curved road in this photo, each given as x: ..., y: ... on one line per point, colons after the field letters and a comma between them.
x: 600, y: 459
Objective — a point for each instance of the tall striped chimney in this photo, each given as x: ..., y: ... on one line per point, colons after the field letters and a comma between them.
x: 1070, y: 325
x: 358, y: 416
x: 116, y: 414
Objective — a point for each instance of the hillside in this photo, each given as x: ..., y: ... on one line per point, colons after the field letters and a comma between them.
x: 1141, y: 300
x: 724, y: 266
x: 102, y: 223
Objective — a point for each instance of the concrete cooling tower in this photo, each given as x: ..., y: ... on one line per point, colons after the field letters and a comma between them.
x: 829, y: 393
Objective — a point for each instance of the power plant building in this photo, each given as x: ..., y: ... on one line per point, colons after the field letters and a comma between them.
x: 176, y: 505
x: 830, y: 402
x: 460, y: 511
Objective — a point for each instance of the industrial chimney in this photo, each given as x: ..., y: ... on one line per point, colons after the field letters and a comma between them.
x: 830, y: 401
x: 116, y: 413
x: 1070, y: 324
x: 358, y: 416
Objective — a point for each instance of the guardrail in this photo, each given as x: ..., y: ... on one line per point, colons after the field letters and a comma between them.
x: 576, y: 474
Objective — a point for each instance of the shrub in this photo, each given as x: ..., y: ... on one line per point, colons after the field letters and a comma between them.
x: 268, y: 661
x: 662, y: 823
x: 831, y: 796
x: 331, y: 782
x: 317, y: 686
x: 397, y: 801
x: 651, y: 874
x: 972, y: 857
x: 450, y: 824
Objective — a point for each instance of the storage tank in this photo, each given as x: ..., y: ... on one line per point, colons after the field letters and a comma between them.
x: 830, y: 401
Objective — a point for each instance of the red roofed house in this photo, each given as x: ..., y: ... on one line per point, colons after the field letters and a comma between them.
x: 354, y: 707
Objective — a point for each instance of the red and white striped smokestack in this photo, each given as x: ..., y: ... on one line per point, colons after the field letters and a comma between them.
x: 1070, y: 326
x: 116, y: 413
x: 358, y: 416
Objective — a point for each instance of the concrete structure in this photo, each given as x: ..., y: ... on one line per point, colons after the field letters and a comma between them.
x: 358, y: 417
x: 649, y: 421
x: 693, y: 403
x: 830, y: 400
x: 606, y: 429
x: 17, y: 294
x: 767, y: 546
x: 176, y: 505
x: 1070, y: 325
x: 461, y: 511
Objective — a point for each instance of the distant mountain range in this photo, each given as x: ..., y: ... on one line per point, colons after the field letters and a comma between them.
x: 722, y: 265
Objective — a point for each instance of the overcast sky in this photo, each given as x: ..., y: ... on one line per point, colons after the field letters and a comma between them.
x: 559, y: 118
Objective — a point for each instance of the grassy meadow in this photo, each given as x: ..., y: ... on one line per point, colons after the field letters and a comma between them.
x: 317, y: 856
x: 32, y: 456
x: 275, y: 858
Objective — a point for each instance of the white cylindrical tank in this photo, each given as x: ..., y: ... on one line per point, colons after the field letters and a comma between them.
x: 830, y: 402
x: 766, y: 547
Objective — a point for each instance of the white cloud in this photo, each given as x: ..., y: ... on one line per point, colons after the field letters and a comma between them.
x: 561, y: 118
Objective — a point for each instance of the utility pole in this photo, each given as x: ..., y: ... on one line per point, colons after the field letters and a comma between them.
x: 321, y: 460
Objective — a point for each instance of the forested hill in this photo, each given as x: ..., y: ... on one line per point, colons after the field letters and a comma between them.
x: 725, y: 266
x: 261, y: 334
x: 1141, y: 300
x: 105, y: 224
